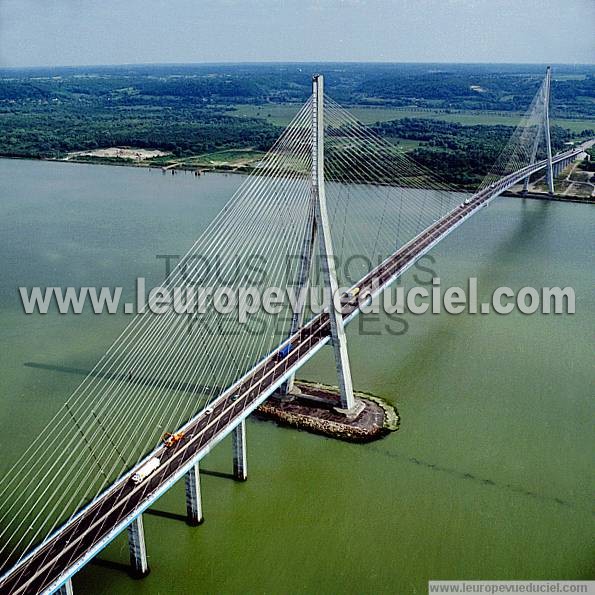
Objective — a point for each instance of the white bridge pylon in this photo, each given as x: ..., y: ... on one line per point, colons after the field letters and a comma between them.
x: 544, y: 125
x: 320, y: 227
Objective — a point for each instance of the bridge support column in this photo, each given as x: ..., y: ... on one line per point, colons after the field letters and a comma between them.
x: 65, y: 589
x: 240, y: 461
x: 138, y: 550
x: 193, y: 498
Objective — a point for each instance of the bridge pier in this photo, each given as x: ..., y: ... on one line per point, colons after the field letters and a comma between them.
x: 65, y: 589
x: 193, y: 498
x: 138, y: 549
x: 240, y: 461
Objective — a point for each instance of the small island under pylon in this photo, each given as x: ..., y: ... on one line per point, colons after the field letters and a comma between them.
x: 314, y: 407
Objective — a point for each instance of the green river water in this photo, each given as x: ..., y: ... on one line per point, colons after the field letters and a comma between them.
x: 489, y: 476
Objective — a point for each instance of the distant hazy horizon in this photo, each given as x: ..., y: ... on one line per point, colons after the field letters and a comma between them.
x: 65, y: 33
x: 295, y: 63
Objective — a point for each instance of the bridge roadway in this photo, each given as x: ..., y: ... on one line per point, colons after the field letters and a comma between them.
x: 93, y: 527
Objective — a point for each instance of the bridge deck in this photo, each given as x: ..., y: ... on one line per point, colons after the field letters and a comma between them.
x: 71, y: 546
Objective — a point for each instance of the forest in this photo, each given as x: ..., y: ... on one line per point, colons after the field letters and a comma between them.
x: 461, y: 155
x: 190, y: 110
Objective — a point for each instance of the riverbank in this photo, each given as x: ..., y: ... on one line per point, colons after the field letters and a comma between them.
x: 197, y: 169
x: 555, y: 197
x: 146, y: 164
x: 246, y: 169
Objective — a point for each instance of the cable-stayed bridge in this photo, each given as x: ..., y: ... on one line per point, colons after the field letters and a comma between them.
x: 328, y: 188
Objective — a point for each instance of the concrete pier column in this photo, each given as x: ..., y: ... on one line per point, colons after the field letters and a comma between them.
x: 65, y: 589
x: 526, y: 185
x: 193, y: 499
x: 138, y: 550
x: 240, y: 462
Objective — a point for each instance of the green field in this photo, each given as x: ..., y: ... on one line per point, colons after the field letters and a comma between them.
x: 230, y: 157
x: 281, y: 115
x: 404, y: 143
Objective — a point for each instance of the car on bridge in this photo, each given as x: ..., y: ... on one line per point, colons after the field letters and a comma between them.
x: 284, y: 352
x: 170, y: 440
x: 349, y: 296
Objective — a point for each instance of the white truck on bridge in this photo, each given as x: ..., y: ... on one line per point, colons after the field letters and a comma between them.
x: 145, y: 470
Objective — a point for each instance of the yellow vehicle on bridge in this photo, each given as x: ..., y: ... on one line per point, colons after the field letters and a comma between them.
x: 170, y: 440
